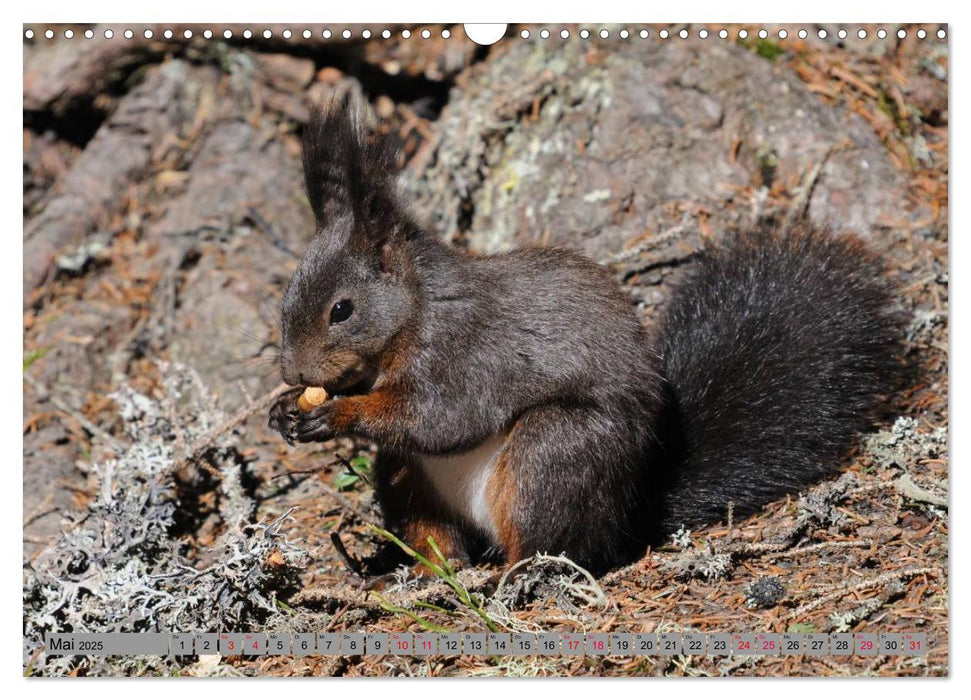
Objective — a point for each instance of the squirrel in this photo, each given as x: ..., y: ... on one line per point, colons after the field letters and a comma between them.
x: 520, y: 406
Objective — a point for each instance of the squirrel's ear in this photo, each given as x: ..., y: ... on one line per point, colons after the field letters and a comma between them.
x: 347, y: 171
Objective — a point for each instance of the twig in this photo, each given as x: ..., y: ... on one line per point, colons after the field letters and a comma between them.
x: 43, y: 508
x: 115, y: 444
x: 329, y: 595
x: 592, y: 592
x: 337, y: 616
x: 333, y: 493
x: 651, y: 243
x: 353, y: 564
x: 908, y: 488
x: 809, y: 549
x: 801, y: 202
x: 840, y: 590
x: 350, y: 467
x: 266, y: 228
x: 621, y: 573
x: 754, y: 549
x: 297, y: 472
x: 843, y: 621
x: 207, y: 441
x: 358, y: 513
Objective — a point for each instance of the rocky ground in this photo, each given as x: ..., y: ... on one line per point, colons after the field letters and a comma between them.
x: 164, y: 213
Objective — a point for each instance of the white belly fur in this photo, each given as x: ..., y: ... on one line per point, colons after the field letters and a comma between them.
x: 461, y: 479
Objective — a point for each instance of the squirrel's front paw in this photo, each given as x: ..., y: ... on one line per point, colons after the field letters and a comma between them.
x: 285, y: 413
x: 312, y: 425
x: 300, y: 426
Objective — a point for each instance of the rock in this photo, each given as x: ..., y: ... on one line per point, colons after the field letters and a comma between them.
x: 239, y: 167
x: 48, y: 463
x: 61, y: 71
x: 220, y: 322
x: 87, y: 197
x: 229, y: 201
x: 46, y: 158
x: 285, y: 73
x: 328, y: 75
x: 577, y: 145
x: 434, y: 58
x: 245, y: 214
x: 237, y: 205
x: 926, y: 93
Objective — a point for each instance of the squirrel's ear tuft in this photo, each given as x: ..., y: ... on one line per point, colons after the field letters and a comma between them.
x: 346, y: 170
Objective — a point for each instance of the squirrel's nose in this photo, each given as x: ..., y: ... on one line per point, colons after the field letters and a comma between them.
x: 290, y: 375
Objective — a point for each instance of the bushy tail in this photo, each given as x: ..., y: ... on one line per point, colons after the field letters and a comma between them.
x: 776, y: 350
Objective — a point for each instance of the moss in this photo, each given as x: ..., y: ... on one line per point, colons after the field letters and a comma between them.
x: 889, y: 107
x: 763, y: 47
x: 34, y: 355
x: 768, y: 161
x: 510, y: 184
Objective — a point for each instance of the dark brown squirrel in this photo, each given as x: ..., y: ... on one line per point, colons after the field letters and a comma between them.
x: 520, y: 406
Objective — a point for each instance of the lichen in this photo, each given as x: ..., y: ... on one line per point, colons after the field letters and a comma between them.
x: 116, y: 567
x: 904, y: 444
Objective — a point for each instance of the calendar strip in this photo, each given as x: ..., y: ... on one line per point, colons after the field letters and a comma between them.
x: 419, y: 644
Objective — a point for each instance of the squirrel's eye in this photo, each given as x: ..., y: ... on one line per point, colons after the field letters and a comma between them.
x: 342, y: 311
